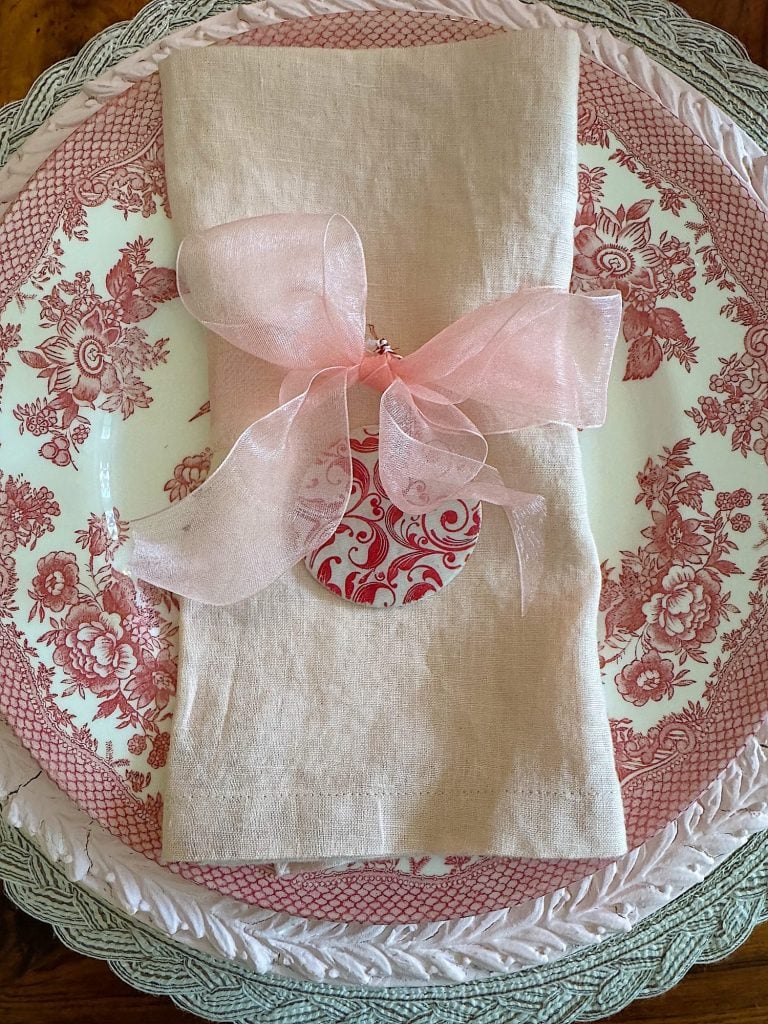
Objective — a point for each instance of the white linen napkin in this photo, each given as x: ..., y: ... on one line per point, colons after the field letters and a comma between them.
x: 308, y: 727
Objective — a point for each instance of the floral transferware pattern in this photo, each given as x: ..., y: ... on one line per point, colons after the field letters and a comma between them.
x: 669, y: 597
x: 96, y: 356
x: 617, y: 249
x: 134, y: 186
x: 683, y: 596
x: 109, y: 639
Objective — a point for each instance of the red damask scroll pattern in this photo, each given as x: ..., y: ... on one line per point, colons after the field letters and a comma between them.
x: 381, y: 557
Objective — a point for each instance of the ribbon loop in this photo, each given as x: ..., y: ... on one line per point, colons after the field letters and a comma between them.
x: 428, y: 453
x: 203, y: 547
x: 291, y: 290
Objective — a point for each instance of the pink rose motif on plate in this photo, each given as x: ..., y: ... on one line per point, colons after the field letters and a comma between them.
x: 188, y: 474
x: 686, y: 609
x: 380, y: 556
x: 667, y: 599
x: 91, y: 647
x: 109, y: 638
x: 650, y: 678
x: 55, y: 586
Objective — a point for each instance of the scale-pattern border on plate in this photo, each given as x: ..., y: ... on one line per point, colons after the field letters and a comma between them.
x: 702, y: 40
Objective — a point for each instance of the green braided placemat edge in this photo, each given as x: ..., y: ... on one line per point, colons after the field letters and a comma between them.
x: 705, y: 924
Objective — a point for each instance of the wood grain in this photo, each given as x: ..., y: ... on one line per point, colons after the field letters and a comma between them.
x: 42, y: 982
x: 37, y: 33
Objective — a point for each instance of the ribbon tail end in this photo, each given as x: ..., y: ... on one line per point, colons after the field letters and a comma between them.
x: 527, y: 523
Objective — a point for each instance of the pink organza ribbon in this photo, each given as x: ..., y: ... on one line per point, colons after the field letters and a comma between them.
x: 291, y: 289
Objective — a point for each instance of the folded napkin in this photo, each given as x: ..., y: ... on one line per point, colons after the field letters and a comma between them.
x: 310, y: 727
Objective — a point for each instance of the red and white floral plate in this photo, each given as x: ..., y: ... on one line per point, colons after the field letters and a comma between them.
x: 103, y: 417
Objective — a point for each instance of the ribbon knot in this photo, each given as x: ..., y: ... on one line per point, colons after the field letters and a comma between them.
x: 291, y: 290
x: 378, y: 370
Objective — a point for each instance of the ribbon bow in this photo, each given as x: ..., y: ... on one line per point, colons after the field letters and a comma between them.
x: 291, y: 289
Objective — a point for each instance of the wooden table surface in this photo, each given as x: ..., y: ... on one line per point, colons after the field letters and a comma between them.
x: 42, y: 982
